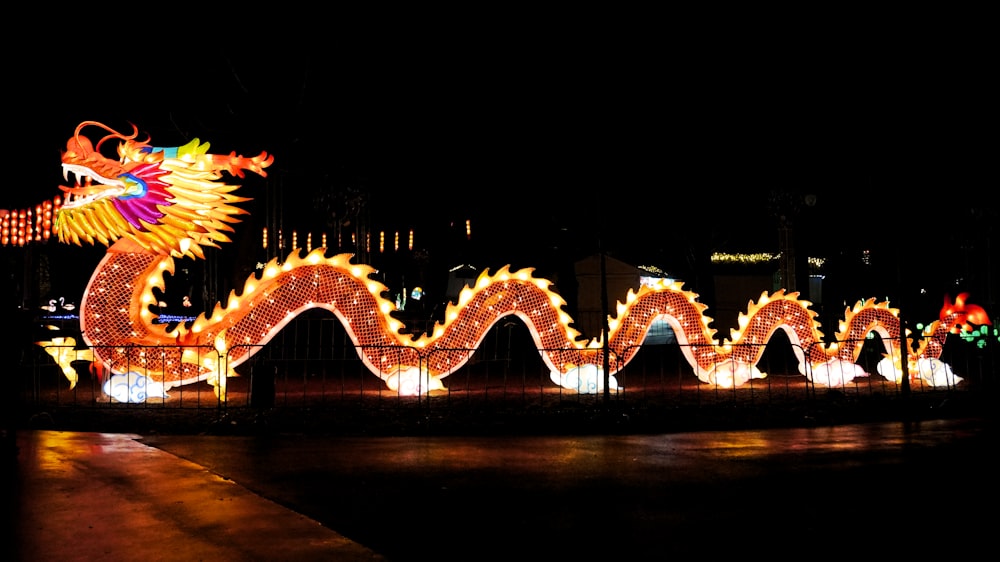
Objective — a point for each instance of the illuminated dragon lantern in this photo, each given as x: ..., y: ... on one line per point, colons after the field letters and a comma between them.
x: 154, y: 204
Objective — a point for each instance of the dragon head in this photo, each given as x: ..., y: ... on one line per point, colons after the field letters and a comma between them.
x: 168, y: 200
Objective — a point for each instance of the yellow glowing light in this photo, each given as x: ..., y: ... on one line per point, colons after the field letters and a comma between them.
x: 198, y: 210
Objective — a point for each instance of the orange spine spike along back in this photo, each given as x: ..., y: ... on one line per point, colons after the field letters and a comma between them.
x: 172, y: 202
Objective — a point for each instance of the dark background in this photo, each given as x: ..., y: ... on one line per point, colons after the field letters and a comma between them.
x: 657, y: 139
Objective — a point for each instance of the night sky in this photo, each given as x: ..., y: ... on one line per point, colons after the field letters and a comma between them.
x: 678, y: 139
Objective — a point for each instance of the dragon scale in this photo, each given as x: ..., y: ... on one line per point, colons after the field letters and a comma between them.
x: 154, y: 204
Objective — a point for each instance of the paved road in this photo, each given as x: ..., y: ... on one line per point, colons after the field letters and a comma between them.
x: 859, y: 490
x: 86, y: 496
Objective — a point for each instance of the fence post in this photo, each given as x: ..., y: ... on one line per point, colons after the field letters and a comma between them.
x: 904, y: 359
x: 605, y: 328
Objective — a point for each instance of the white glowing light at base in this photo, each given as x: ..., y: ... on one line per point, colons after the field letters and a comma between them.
x: 585, y: 379
x: 932, y: 372
x: 730, y: 373
x: 835, y: 373
x: 412, y: 381
x: 133, y: 388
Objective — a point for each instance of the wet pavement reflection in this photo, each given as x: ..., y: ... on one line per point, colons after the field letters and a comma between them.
x: 882, y: 488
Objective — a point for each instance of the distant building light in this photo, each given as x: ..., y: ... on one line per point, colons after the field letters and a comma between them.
x: 721, y: 258
x: 743, y: 259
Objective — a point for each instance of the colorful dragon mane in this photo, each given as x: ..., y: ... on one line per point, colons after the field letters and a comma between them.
x: 154, y: 204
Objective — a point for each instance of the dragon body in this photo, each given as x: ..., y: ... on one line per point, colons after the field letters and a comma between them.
x: 154, y: 204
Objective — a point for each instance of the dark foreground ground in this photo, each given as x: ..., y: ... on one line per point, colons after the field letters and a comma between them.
x: 785, y: 474
x: 573, y: 416
x: 919, y: 490
x: 833, y: 475
x: 858, y: 490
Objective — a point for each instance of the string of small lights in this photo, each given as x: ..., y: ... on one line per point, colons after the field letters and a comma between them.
x: 722, y: 258
x: 24, y: 226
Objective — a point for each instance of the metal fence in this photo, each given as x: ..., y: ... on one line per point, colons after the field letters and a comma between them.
x: 311, y: 377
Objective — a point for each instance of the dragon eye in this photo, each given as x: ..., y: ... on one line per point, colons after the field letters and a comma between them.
x: 134, y: 187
